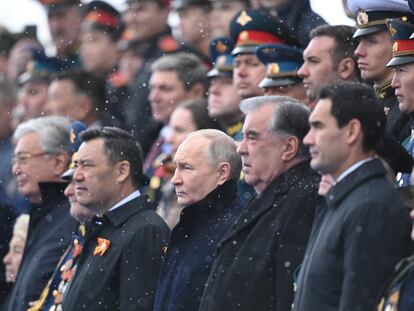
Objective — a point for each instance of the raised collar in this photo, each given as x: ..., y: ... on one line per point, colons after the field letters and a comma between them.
x: 285, y: 181
x: 120, y: 215
x: 346, y: 185
x: 220, y: 197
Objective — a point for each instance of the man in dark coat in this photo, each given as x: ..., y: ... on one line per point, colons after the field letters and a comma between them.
x: 205, y: 179
x: 366, y: 227
x: 257, y: 257
x: 41, y: 156
x: 119, y: 265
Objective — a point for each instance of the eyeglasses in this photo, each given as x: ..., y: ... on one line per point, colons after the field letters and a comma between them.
x: 22, y: 157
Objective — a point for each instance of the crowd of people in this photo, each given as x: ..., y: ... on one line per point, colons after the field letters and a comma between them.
x: 252, y: 157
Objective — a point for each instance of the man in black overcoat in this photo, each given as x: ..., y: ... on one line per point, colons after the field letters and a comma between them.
x: 41, y: 155
x: 256, y: 259
x: 119, y: 265
x: 365, y: 229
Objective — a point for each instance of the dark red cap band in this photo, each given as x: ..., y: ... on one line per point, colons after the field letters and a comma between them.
x: 102, y: 18
x: 254, y: 37
x: 402, y: 47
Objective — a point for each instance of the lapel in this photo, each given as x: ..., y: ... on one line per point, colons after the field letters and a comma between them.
x: 368, y: 170
x: 260, y: 204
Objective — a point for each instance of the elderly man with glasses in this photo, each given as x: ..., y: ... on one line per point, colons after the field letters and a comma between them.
x: 40, y: 157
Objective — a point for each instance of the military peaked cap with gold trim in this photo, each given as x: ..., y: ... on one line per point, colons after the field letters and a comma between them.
x: 250, y: 28
x: 403, y: 46
x: 372, y: 15
x: 41, y: 68
x: 221, y: 58
x: 282, y: 63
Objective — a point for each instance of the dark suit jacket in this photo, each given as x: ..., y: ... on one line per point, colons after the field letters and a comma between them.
x: 50, y: 231
x: 257, y: 257
x: 364, y: 232
x: 125, y: 276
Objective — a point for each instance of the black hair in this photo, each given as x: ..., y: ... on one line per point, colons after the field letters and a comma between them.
x: 345, y: 43
x: 119, y: 146
x: 87, y: 84
x: 352, y: 100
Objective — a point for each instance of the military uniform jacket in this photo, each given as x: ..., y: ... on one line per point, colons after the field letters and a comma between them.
x: 364, y: 232
x: 50, y: 232
x: 191, y: 248
x: 398, y: 294
x: 120, y: 262
x: 398, y: 123
x: 257, y: 257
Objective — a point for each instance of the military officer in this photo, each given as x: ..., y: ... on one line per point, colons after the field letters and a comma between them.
x: 375, y: 50
x: 282, y: 64
x: 224, y: 100
x: 403, y: 79
x: 249, y: 29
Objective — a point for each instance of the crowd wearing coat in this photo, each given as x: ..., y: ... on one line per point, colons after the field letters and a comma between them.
x: 281, y: 245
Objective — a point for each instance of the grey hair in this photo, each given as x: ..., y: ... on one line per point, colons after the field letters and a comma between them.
x: 8, y: 93
x: 21, y: 226
x: 53, y: 131
x: 189, y: 68
x: 221, y: 148
x: 290, y: 118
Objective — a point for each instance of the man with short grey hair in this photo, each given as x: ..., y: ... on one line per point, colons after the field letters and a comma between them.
x: 205, y: 180
x: 41, y: 156
x: 266, y: 244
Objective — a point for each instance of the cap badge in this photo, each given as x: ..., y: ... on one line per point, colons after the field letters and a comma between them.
x: 362, y: 18
x: 221, y: 47
x: 244, y: 19
x: 244, y: 36
x: 392, y: 31
x: 72, y: 136
x: 273, y: 69
x: 221, y: 60
x: 395, y: 47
